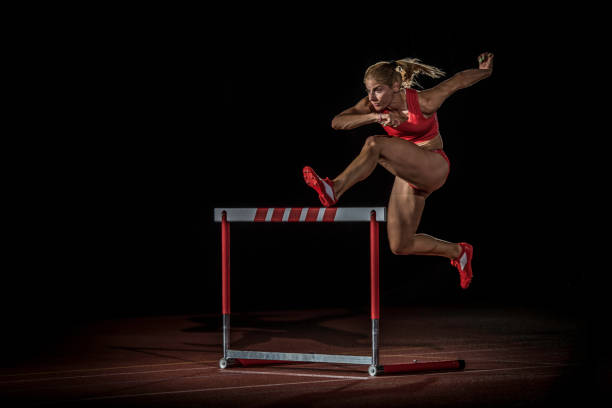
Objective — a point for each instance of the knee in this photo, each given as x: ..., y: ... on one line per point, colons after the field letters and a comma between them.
x: 402, y: 247
x: 373, y: 142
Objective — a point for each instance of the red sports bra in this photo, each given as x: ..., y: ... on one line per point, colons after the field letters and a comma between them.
x: 417, y: 128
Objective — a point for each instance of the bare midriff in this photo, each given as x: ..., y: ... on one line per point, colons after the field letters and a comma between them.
x: 432, y: 144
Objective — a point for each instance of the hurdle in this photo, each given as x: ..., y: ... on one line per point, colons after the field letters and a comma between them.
x: 373, y: 215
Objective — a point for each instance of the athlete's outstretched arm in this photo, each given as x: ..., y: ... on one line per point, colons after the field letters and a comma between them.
x: 360, y: 115
x: 431, y: 99
x: 355, y: 116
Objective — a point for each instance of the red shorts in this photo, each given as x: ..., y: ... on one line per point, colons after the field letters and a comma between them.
x: 441, y: 153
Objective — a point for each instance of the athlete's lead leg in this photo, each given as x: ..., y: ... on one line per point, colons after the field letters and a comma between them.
x: 404, y: 159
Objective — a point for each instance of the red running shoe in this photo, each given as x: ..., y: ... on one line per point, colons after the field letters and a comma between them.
x: 325, y: 187
x: 464, y: 264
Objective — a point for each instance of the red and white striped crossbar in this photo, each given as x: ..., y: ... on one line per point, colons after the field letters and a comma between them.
x: 301, y: 214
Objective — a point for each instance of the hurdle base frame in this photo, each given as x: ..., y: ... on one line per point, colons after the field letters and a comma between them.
x: 244, y: 358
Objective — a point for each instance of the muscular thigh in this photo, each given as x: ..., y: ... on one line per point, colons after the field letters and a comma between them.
x: 404, y: 211
x: 422, y: 168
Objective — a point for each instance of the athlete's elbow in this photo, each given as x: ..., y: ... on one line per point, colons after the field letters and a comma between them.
x: 338, y: 124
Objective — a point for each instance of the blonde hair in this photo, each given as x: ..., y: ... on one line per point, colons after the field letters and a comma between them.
x: 403, y: 71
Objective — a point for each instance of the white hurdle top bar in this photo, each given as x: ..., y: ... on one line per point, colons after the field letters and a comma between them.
x: 301, y: 214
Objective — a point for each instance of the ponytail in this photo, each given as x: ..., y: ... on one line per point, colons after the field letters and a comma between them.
x: 410, y: 68
x: 403, y: 71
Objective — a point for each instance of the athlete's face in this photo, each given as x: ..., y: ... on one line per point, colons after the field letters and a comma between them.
x: 379, y: 94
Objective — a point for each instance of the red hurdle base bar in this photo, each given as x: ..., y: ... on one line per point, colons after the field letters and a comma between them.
x: 374, y: 215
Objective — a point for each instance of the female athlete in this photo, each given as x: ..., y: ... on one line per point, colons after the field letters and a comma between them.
x: 411, y: 151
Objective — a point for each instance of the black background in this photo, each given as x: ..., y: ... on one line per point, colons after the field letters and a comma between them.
x: 143, y: 123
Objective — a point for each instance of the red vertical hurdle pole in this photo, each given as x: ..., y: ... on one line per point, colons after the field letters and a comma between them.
x: 225, y: 280
x: 374, y: 291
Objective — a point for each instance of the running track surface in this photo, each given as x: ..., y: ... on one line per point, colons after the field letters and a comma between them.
x: 514, y: 357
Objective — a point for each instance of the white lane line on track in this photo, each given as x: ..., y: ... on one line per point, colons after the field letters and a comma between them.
x: 407, y: 355
x: 84, y: 384
x: 148, y: 394
x: 485, y: 370
x: 301, y: 383
x: 106, y: 368
x: 478, y: 346
x: 388, y: 349
x: 103, y: 375
x: 432, y: 353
